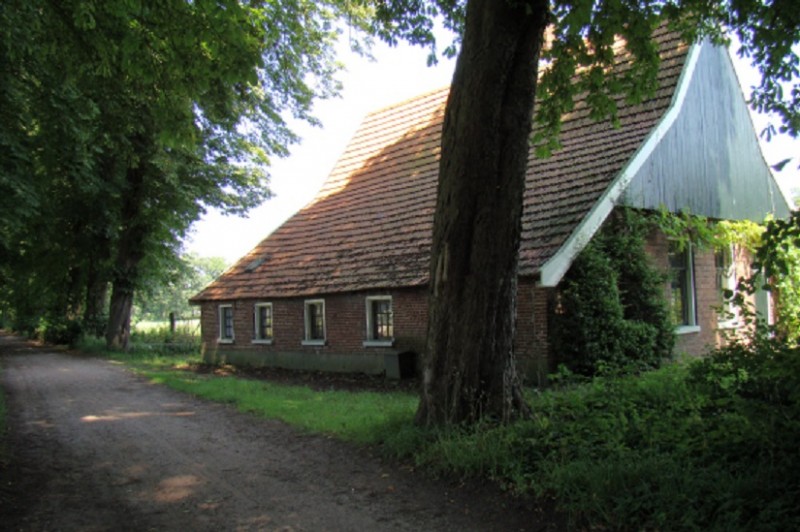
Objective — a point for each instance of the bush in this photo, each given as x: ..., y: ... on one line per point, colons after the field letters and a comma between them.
x: 611, y: 310
x: 708, y: 446
x: 60, y: 331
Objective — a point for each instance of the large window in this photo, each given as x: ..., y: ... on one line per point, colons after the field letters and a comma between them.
x: 380, y: 326
x: 726, y: 286
x: 226, y: 323
x: 262, y: 318
x: 682, y: 289
x: 314, y: 322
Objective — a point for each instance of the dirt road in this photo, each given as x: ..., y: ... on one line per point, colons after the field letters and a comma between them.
x: 97, y: 448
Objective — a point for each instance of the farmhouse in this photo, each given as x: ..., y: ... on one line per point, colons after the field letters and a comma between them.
x: 342, y: 285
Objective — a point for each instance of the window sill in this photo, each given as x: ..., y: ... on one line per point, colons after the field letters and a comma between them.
x: 316, y: 343
x: 733, y: 324
x: 687, y: 329
x: 224, y: 340
x: 378, y: 343
x: 263, y: 342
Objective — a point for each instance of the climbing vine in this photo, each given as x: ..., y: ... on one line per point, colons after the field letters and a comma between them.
x: 775, y: 250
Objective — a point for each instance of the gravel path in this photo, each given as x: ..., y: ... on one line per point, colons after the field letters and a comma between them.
x: 95, y: 447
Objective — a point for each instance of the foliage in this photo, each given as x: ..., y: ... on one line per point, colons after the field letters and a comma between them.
x: 170, y: 292
x: 777, y: 267
x: 59, y: 330
x: 159, y: 337
x: 124, y: 120
x: 611, y: 312
x: 709, y: 447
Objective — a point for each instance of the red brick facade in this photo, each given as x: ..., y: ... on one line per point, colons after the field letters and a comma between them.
x: 344, y: 348
x: 345, y: 328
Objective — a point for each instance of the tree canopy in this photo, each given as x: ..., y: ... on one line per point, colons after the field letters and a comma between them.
x: 124, y: 120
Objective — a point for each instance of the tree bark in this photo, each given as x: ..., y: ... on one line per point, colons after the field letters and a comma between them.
x: 470, y: 369
x: 130, y: 252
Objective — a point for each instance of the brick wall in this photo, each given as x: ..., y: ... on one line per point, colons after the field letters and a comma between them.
x: 345, y: 316
x: 530, y: 343
x: 345, y: 325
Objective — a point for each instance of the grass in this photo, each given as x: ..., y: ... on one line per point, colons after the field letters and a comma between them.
x: 361, y: 417
x: 706, y: 446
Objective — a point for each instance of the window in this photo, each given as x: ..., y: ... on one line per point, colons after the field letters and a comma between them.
x: 262, y: 323
x: 726, y: 286
x: 682, y: 290
x: 226, y: 323
x: 314, y: 322
x: 380, y: 326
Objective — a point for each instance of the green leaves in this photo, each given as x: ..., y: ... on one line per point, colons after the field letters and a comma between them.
x: 125, y: 120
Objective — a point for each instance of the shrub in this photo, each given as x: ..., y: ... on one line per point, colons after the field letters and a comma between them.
x: 60, y: 330
x: 611, y: 310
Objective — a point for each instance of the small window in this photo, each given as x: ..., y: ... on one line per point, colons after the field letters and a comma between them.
x: 380, y: 321
x: 226, y: 323
x: 314, y: 322
x: 262, y: 322
x: 726, y: 286
x: 682, y: 289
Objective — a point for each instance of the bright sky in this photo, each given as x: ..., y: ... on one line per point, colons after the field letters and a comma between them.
x: 396, y: 75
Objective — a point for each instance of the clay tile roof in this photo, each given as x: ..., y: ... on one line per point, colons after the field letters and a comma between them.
x: 370, y: 225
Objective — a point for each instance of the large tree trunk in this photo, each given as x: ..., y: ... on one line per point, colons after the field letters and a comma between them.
x: 470, y: 370
x: 130, y: 252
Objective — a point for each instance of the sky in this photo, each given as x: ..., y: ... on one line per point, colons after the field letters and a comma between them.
x: 396, y: 74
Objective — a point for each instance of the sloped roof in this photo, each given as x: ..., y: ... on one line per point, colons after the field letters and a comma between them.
x: 370, y: 225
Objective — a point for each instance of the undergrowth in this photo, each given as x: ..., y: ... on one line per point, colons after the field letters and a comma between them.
x: 708, y: 446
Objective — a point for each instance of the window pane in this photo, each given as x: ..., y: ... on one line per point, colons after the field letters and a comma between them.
x: 227, y: 322
x: 382, y: 328
x: 264, y: 314
x: 679, y: 286
x: 316, y: 321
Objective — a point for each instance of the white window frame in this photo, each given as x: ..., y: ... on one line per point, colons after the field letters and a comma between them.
x: 371, y: 341
x: 257, y: 339
x: 691, y: 303
x: 728, y: 318
x: 222, y: 339
x: 307, y: 340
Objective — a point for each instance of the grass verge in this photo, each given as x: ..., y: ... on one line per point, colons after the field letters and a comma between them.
x: 362, y: 417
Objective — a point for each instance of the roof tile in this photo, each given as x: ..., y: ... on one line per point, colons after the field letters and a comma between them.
x: 370, y: 224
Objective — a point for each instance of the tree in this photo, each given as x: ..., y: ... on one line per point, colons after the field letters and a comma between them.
x: 126, y: 119
x: 469, y: 365
x: 170, y: 292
